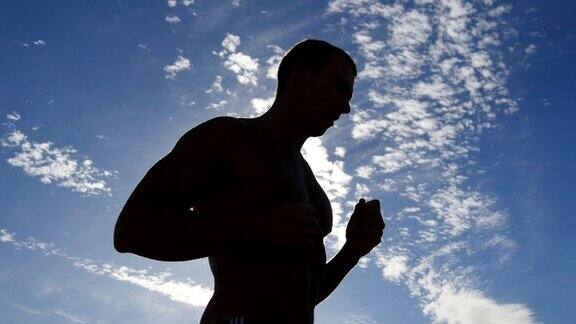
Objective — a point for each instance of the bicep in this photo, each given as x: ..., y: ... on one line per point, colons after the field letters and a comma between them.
x: 155, y: 196
x: 195, y: 170
x: 163, y: 185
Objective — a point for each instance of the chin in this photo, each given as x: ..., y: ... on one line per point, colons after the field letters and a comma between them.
x: 319, y: 132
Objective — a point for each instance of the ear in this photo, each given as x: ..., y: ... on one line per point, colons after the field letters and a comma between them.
x: 304, y: 77
x: 310, y: 80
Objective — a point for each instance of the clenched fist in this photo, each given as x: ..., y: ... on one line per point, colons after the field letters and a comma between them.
x: 365, y: 228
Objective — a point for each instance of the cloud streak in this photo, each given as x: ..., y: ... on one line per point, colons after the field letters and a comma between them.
x: 183, y: 291
x: 51, y: 164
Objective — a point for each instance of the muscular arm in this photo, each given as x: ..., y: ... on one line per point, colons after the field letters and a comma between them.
x: 335, y: 271
x: 156, y: 221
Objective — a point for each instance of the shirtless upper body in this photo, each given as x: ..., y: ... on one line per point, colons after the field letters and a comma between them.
x: 238, y: 191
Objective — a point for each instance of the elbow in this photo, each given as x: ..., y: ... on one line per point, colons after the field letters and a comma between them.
x: 121, y: 239
x: 120, y: 243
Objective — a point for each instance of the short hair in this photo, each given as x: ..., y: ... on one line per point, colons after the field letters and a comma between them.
x: 313, y: 54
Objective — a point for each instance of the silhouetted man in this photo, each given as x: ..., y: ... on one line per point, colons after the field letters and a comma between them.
x: 238, y: 191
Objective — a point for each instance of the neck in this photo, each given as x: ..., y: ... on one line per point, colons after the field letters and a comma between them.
x: 280, y: 126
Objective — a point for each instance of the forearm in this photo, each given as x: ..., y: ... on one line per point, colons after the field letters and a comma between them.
x: 336, y: 269
x: 183, y: 236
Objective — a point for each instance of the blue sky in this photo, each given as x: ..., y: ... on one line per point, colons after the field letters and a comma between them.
x: 460, y: 124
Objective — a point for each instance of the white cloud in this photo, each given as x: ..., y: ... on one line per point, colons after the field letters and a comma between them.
x: 38, y: 43
x: 530, y: 49
x: 435, y: 80
x: 55, y: 165
x: 181, y: 64
x: 274, y: 62
x: 231, y: 42
x: 393, y: 267
x: 171, y: 3
x: 187, y: 101
x: 172, y: 19
x: 365, y: 126
x: 362, y: 190
x: 13, y: 116
x: 6, y: 236
x: 410, y: 29
x: 217, y: 105
x: 472, y: 307
x: 144, y: 47
x: 387, y: 185
x: 244, y: 66
x: 360, y: 319
x: 183, y: 291
x: 448, y: 293
x: 71, y: 318
x: 364, y: 171
x: 334, y: 181
x: 187, y: 292
x: 261, y: 105
x: 340, y: 151
x: 216, y: 85
x: 460, y: 210
x: 503, y: 245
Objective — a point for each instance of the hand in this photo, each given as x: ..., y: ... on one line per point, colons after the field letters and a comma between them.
x: 288, y: 225
x: 365, y: 228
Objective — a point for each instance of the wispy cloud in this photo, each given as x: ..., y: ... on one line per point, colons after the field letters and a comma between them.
x: 217, y: 105
x: 172, y: 19
x: 274, y: 61
x: 37, y: 43
x: 216, y: 85
x: 530, y: 49
x: 69, y: 317
x: 13, y: 116
x: 436, y: 79
x: 184, y: 291
x: 51, y: 164
x: 335, y: 181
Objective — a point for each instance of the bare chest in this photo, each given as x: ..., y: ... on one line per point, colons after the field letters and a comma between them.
x: 265, y: 178
x: 262, y: 177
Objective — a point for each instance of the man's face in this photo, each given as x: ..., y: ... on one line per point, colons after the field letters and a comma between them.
x: 328, y: 95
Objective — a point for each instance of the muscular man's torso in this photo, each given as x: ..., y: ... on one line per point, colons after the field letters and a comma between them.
x: 261, y: 280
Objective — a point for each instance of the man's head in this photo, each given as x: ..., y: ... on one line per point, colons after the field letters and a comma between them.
x: 317, y: 78
x: 312, y: 54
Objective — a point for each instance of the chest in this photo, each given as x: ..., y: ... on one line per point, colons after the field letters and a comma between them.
x: 272, y: 177
x: 262, y: 178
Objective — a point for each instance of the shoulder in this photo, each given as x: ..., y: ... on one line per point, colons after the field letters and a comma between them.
x: 214, y: 134
x: 221, y: 125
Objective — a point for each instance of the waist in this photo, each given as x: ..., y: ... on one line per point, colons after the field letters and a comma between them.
x: 267, y: 286
x: 222, y: 307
